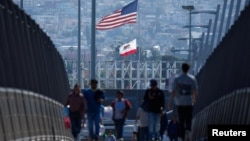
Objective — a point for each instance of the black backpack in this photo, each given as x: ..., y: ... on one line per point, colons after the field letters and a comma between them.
x: 98, y: 95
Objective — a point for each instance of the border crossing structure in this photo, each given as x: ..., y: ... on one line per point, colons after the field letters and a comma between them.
x: 125, y: 74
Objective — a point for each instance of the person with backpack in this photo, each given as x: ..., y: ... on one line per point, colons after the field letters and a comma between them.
x: 110, y: 136
x: 173, y: 129
x: 120, y: 106
x: 164, y: 124
x: 76, y: 104
x: 94, y: 98
x: 155, y: 99
x: 142, y: 116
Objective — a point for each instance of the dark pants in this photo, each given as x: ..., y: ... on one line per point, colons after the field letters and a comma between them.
x: 173, y: 137
x: 164, y: 125
x: 119, y: 123
x: 76, y: 121
x: 185, y: 117
x: 143, y: 134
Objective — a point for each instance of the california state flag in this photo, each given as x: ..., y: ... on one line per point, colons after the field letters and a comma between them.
x: 128, y: 49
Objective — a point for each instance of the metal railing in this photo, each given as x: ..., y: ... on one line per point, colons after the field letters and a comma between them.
x: 231, y: 109
x: 28, y: 58
x: 227, y: 68
x: 224, y: 92
x: 25, y: 116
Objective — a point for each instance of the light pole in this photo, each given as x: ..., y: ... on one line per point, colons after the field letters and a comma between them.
x: 21, y: 4
x: 194, y: 51
x: 79, y: 44
x: 189, y: 8
x: 214, y: 12
x: 204, y: 48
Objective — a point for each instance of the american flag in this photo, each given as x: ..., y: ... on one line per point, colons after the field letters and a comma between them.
x: 120, y: 17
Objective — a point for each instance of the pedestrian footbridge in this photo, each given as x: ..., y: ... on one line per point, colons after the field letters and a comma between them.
x: 34, y: 84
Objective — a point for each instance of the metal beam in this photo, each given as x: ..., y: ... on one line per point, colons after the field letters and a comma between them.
x: 199, y: 55
x: 229, y: 16
x: 237, y: 11
x: 215, y: 26
x: 207, y: 40
x: 222, y: 21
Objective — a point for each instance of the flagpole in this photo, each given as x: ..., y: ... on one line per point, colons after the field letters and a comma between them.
x: 139, y: 30
x: 93, y: 37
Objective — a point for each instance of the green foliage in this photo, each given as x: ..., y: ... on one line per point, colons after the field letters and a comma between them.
x: 169, y: 58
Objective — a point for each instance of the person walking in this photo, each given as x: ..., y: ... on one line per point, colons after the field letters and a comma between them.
x: 94, y: 97
x: 142, y: 116
x: 120, y: 106
x: 173, y: 129
x: 76, y: 104
x: 163, y: 124
x: 185, y: 91
x: 155, y: 99
x: 110, y: 136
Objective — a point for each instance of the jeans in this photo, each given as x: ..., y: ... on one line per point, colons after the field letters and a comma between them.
x: 154, y: 124
x: 185, y: 117
x: 93, y: 123
x: 119, y: 123
x: 143, y: 134
x: 76, y: 121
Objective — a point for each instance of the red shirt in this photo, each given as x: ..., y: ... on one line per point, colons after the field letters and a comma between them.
x: 76, y: 103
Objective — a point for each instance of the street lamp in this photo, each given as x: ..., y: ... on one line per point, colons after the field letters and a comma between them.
x: 21, y: 4
x: 195, y: 26
x: 204, y: 11
x: 214, y: 12
x: 194, y: 50
x: 189, y: 8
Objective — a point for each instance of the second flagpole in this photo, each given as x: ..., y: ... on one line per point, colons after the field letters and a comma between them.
x: 93, y: 37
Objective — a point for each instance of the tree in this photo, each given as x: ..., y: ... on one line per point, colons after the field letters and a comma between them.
x: 156, y: 54
x: 169, y: 58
